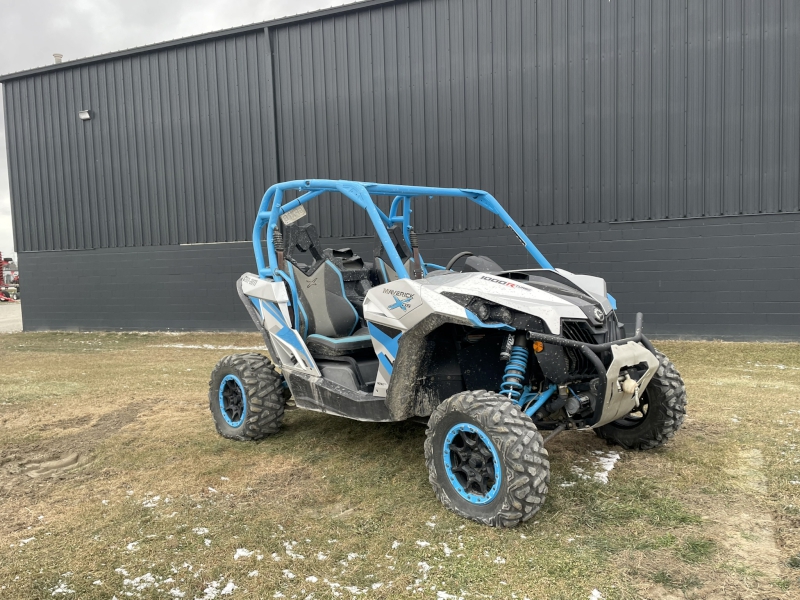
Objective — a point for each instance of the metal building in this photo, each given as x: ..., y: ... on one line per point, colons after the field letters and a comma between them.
x: 656, y: 144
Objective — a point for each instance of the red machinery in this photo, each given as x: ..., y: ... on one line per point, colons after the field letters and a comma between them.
x: 9, y: 292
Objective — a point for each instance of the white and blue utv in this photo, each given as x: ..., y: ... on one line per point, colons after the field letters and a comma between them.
x: 488, y: 357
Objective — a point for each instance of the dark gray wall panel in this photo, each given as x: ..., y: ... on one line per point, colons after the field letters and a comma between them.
x: 569, y: 112
x: 725, y: 277
x: 178, y: 150
x: 618, y: 124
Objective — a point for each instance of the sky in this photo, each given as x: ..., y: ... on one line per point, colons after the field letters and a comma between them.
x: 31, y: 31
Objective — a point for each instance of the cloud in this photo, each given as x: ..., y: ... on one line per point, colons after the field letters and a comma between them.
x: 33, y: 31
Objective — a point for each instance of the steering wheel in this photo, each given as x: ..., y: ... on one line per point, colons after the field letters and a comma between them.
x: 458, y: 257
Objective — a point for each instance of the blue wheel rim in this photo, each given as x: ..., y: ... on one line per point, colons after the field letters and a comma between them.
x: 232, y: 400
x: 472, y: 463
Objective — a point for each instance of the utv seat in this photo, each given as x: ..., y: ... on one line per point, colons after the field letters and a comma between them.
x: 383, y: 266
x: 325, y: 317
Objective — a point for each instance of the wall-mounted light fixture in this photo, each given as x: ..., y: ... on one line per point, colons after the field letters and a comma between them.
x: 84, y: 115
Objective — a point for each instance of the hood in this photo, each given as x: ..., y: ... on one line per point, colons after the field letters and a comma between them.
x: 549, y: 295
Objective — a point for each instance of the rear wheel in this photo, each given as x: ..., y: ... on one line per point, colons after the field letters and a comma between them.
x: 246, y: 397
x: 486, y: 460
x: 660, y: 413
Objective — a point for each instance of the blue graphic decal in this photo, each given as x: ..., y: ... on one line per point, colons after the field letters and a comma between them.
x: 384, y: 340
x: 401, y: 303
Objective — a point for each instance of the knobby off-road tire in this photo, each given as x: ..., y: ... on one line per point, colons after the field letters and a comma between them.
x: 665, y: 398
x: 260, y: 411
x: 514, y: 443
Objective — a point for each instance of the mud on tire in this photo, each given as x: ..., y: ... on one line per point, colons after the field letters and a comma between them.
x: 523, y: 469
x: 665, y: 398
x: 246, y: 397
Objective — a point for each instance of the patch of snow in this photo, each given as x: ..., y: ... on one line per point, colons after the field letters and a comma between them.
x: 430, y: 524
x: 352, y: 556
x: 151, y: 502
x: 288, y: 574
x: 595, y: 595
x: 375, y: 586
x: 424, y: 567
x: 395, y: 545
x: 253, y: 574
x: 98, y: 582
x: 132, y: 547
x: 423, y: 543
x: 228, y: 589
x: 212, y: 490
x: 312, y: 579
x: 26, y: 541
x: 121, y: 571
x: 61, y: 589
x: 446, y: 548
x: 207, y: 542
x: 104, y: 502
x: 445, y: 596
x: 605, y: 461
x: 176, y: 593
x: 322, y: 556
x: 224, y: 479
x: 499, y: 560
x: 242, y: 553
x: 289, y: 546
x: 355, y: 590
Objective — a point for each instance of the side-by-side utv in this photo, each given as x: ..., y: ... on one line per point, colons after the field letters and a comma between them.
x: 490, y: 358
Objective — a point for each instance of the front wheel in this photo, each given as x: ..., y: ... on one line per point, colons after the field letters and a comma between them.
x: 486, y: 459
x: 246, y: 397
x: 659, y: 416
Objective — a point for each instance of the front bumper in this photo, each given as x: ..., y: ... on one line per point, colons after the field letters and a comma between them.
x: 612, y: 402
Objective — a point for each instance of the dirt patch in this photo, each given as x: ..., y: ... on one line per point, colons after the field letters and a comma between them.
x: 55, y: 467
x: 749, y: 529
x: 29, y: 469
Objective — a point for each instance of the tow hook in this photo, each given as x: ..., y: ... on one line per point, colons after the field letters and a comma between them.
x: 630, y: 386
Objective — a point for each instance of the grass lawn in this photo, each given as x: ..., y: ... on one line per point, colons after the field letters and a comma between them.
x: 148, y: 501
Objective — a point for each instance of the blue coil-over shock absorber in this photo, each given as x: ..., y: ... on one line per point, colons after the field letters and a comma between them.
x: 514, y: 374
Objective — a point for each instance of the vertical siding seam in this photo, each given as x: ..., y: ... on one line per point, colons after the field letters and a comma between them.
x: 650, y: 111
x: 723, y: 111
x: 668, y: 187
x: 703, y: 128
x: 741, y: 110
x: 583, y: 108
x: 762, y: 31
x: 632, y: 208
x: 686, y: 112
x: 780, y: 108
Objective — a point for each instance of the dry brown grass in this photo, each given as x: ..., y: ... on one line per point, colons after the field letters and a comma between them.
x: 714, y: 514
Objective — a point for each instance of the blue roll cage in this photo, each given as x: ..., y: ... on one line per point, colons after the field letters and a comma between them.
x: 361, y: 193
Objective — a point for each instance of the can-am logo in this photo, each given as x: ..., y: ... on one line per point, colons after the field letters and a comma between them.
x: 500, y: 281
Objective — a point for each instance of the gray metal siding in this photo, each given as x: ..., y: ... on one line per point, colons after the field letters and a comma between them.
x: 178, y: 150
x: 569, y: 112
x: 654, y: 143
x: 723, y: 277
